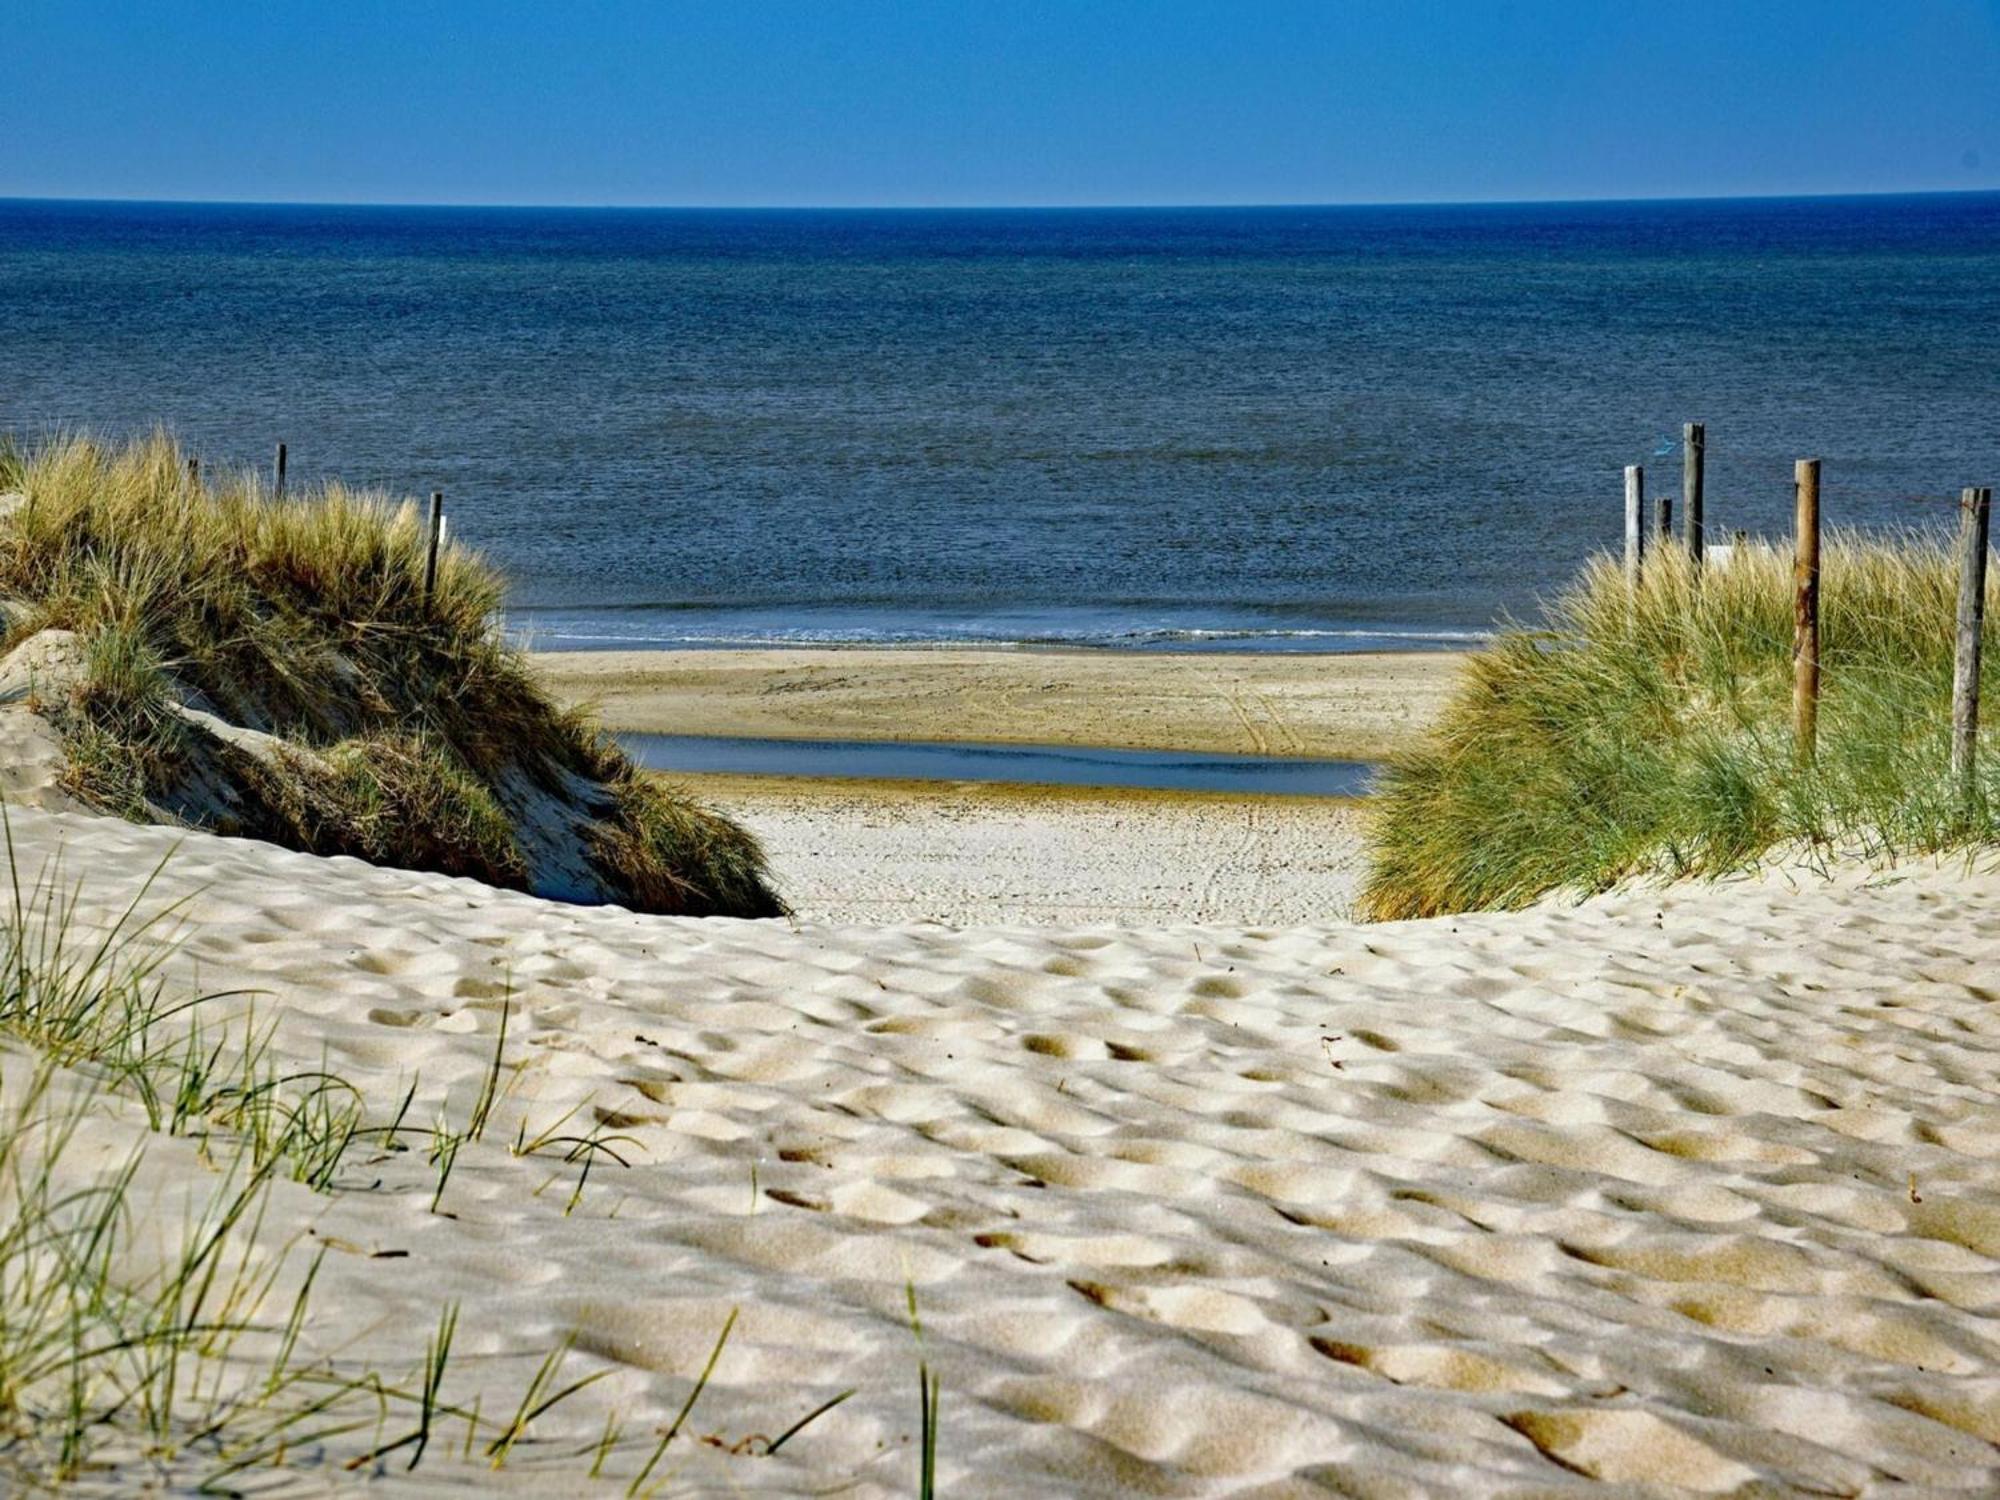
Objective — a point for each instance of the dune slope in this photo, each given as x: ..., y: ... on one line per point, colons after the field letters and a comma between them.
x: 1696, y: 1190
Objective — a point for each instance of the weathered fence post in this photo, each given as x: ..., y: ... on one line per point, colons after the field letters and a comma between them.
x: 279, y: 491
x: 194, y: 474
x: 431, y: 557
x: 1694, y: 455
x: 1663, y: 532
x: 1973, y: 507
x: 1805, y: 611
x: 1635, y: 523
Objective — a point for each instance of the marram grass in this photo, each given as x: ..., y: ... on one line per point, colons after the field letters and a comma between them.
x: 1648, y: 733
x: 135, y: 1356
x: 411, y: 732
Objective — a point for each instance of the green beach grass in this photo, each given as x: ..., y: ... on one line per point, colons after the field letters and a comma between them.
x: 143, y: 1354
x: 173, y: 1359
x: 1648, y: 732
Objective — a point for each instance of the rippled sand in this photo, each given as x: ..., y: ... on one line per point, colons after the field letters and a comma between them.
x: 1686, y: 1191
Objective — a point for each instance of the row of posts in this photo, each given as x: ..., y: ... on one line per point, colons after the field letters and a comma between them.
x: 1975, y: 507
x: 433, y: 542
x: 1694, y: 457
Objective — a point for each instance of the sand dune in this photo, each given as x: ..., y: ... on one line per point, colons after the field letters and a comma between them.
x: 1691, y: 1191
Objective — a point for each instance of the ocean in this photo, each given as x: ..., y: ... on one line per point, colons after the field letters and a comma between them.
x: 1229, y: 428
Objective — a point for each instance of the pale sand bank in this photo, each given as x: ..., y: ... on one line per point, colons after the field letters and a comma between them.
x: 1337, y: 707
x: 1688, y: 1191
x: 968, y: 854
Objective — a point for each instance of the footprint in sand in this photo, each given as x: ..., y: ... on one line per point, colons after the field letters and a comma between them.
x: 1629, y: 1447
x: 1196, y: 1309
x: 1446, y: 1367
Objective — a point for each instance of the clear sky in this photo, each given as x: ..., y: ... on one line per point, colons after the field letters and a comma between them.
x: 797, y: 102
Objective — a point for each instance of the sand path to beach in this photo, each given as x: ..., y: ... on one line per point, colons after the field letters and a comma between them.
x: 1694, y: 1191
x: 900, y: 851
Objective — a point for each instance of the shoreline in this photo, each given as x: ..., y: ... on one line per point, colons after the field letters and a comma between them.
x: 1358, y: 706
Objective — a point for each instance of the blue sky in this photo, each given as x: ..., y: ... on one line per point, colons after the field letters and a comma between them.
x: 853, y: 102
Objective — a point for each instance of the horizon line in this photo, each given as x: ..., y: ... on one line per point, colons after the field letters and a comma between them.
x: 1024, y: 207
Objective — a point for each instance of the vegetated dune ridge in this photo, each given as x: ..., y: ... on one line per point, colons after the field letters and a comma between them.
x: 1687, y: 1190
x: 311, y: 669
x: 1648, y: 730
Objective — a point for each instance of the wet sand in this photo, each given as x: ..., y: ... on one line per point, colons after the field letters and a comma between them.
x: 1341, y: 707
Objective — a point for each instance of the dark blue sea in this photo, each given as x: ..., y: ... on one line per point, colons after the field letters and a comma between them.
x: 1303, y: 428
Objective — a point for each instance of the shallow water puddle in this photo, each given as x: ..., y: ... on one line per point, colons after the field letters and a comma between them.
x: 1040, y: 765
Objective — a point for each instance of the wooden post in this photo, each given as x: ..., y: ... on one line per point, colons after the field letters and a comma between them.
x: 1663, y: 533
x: 1973, y: 508
x: 194, y: 474
x: 1805, y: 612
x: 437, y: 533
x: 1635, y: 522
x: 1694, y: 453
x: 279, y: 491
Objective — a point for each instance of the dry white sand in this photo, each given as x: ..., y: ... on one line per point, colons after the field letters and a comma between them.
x: 1695, y: 1191
x: 903, y: 851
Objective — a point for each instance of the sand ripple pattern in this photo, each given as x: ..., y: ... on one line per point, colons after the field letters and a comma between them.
x: 1683, y: 1192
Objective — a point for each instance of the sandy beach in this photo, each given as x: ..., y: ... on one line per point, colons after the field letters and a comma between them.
x: 1674, y: 1192
x: 865, y: 851
x: 1006, y: 1005
x: 1337, y: 707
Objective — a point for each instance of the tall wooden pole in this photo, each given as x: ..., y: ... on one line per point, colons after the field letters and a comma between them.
x: 279, y: 491
x: 1973, y: 506
x: 1805, y: 612
x: 431, y: 556
x: 1635, y: 523
x: 1694, y: 456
